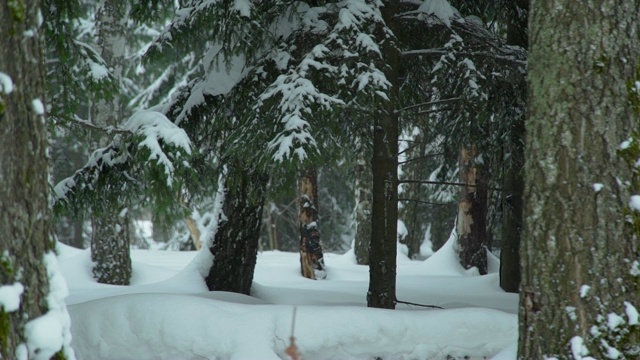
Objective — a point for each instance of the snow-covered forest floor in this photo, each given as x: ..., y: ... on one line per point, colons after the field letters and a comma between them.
x: 167, y: 312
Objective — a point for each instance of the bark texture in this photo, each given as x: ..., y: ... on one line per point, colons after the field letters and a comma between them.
x: 513, y: 187
x: 363, y: 205
x: 110, y: 250
x: 110, y: 241
x: 311, y: 258
x: 471, y: 225
x: 235, y: 246
x: 384, y: 213
x: 577, y: 254
x: 25, y: 217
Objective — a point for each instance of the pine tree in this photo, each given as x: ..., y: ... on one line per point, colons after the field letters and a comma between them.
x: 92, y: 82
x: 289, y: 75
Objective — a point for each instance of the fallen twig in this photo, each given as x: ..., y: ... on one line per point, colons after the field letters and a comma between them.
x: 421, y: 305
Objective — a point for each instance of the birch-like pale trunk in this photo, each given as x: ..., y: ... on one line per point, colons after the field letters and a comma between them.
x: 110, y: 240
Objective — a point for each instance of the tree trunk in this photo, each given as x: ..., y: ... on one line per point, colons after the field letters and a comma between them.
x: 411, y: 215
x: 384, y: 212
x: 235, y: 245
x: 110, y: 251
x: 77, y: 239
x: 110, y: 241
x: 513, y: 187
x: 412, y: 212
x: 362, y: 239
x: 471, y: 225
x: 311, y: 259
x: 271, y: 222
x: 577, y: 256
x: 25, y: 215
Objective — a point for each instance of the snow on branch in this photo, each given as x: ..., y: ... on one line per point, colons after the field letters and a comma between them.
x: 347, y: 55
x: 298, y: 94
x: 155, y: 129
x: 110, y: 168
x: 84, y: 178
x: 441, y: 9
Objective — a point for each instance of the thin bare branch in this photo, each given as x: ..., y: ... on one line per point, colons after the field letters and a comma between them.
x: 420, y: 158
x: 482, y: 54
x: 425, y: 202
x: 421, y: 305
x: 442, y: 183
x: 429, y: 103
x: 76, y: 120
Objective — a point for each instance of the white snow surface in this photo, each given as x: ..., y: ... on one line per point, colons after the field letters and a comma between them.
x: 38, y: 106
x: 243, y: 7
x: 50, y: 332
x: 6, y: 84
x: 634, y: 202
x: 632, y: 313
x: 10, y: 297
x: 97, y: 71
x: 440, y: 9
x: 156, y: 128
x: 167, y: 312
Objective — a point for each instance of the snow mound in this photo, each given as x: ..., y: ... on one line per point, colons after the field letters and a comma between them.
x: 440, y: 9
x: 190, y: 327
x: 444, y: 262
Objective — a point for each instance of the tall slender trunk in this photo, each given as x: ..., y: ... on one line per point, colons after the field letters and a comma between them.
x: 471, y: 225
x: 362, y: 239
x: 513, y: 187
x: 111, y: 241
x: 271, y: 222
x: 235, y: 245
x: 384, y: 213
x: 311, y: 259
x: 411, y: 212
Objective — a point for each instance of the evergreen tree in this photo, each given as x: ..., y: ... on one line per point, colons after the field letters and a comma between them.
x: 579, y: 292
x: 32, y: 288
x: 290, y: 73
x: 302, y: 66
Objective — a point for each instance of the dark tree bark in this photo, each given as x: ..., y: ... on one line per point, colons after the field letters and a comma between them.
x: 235, y: 246
x: 577, y: 252
x: 77, y: 239
x: 110, y: 241
x: 513, y: 187
x: 384, y: 214
x: 25, y: 216
x: 362, y: 239
x: 471, y: 225
x: 311, y: 259
x: 110, y: 250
